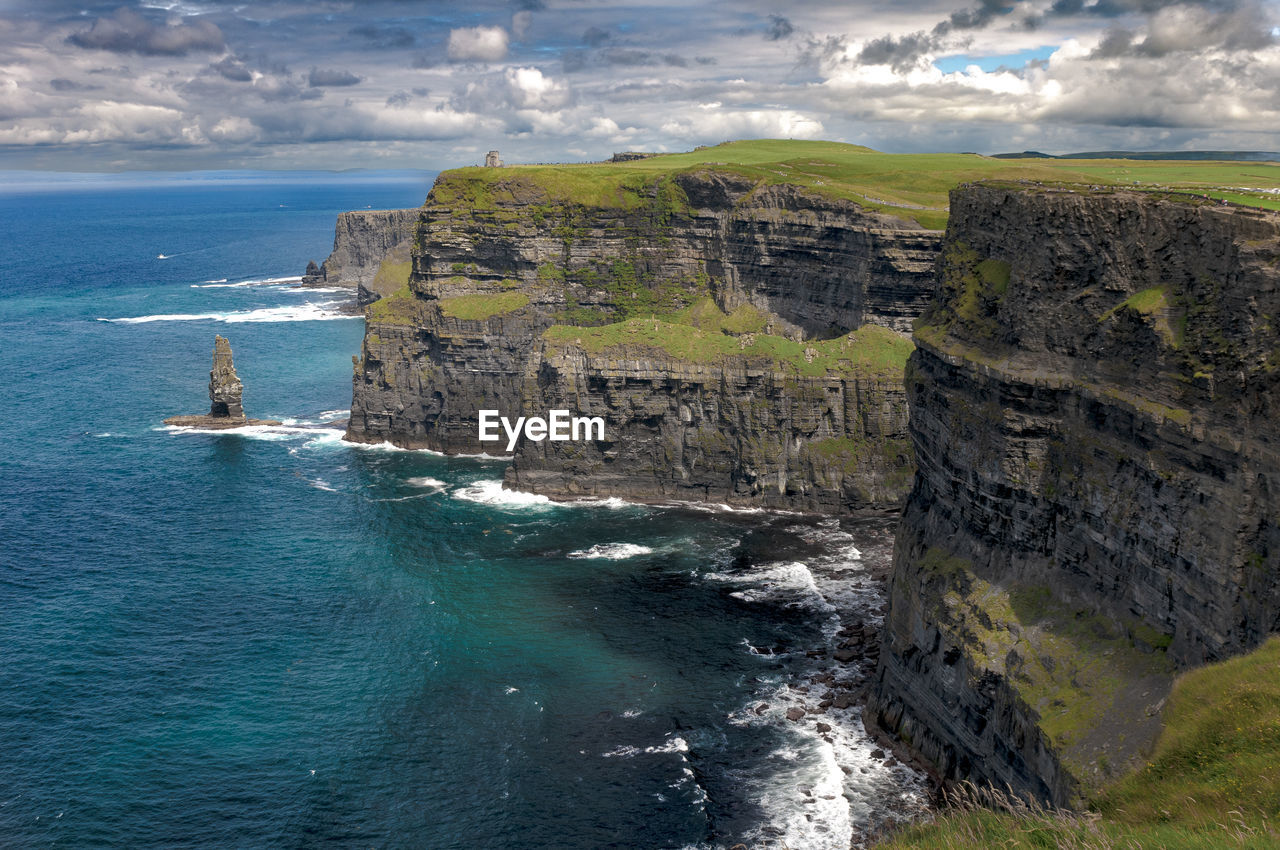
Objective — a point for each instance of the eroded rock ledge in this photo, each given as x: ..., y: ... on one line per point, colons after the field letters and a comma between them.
x: 1093, y: 411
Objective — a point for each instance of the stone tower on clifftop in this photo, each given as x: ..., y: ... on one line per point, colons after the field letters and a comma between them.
x: 491, y: 160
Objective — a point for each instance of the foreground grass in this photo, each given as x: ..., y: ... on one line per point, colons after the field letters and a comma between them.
x: 1213, y: 780
x: 910, y: 186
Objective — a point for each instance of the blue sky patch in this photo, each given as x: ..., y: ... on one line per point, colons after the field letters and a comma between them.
x: 951, y: 64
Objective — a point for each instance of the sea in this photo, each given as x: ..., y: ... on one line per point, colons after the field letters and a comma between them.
x: 269, y: 637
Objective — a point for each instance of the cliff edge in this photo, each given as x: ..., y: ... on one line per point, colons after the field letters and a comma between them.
x: 744, y: 342
x: 1093, y: 414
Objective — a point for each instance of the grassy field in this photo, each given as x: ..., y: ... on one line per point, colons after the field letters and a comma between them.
x: 911, y: 186
x: 1213, y: 780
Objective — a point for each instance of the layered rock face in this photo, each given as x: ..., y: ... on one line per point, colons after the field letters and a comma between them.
x: 362, y: 241
x: 734, y: 432
x: 225, y: 390
x: 499, y: 261
x: 1093, y: 411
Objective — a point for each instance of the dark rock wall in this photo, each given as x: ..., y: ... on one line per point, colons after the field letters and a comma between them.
x: 361, y: 241
x: 729, y: 433
x: 1093, y: 415
x: 816, y: 268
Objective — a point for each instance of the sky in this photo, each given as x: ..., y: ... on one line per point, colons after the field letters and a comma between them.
x: 384, y: 84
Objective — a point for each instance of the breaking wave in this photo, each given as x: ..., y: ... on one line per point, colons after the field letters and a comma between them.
x: 612, y: 551
x: 296, y: 313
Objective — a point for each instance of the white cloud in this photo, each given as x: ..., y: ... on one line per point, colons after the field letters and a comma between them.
x: 477, y: 44
x: 718, y: 124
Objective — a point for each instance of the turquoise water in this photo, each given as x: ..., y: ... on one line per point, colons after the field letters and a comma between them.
x: 274, y: 638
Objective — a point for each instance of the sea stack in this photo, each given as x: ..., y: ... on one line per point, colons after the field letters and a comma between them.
x: 226, y: 408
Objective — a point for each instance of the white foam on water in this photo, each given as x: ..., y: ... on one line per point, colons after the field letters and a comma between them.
x: 612, y: 502
x: 256, y: 432
x: 792, y: 583
x: 424, y: 481
x: 221, y: 283
x: 321, y: 484
x: 612, y: 551
x: 632, y: 712
x: 510, y: 690
x: 484, y: 455
x: 675, y: 744
x: 821, y: 789
x: 314, y: 312
x: 332, y: 414
x: 490, y: 492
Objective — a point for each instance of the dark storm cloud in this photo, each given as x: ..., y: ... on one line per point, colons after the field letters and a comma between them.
x: 384, y: 37
x: 594, y: 36
x: 901, y: 53
x: 778, y: 29
x: 233, y: 69
x: 62, y: 84
x: 1195, y: 28
x: 320, y: 77
x: 128, y: 32
x: 399, y: 99
x: 630, y: 57
x: 976, y: 18
x: 818, y: 52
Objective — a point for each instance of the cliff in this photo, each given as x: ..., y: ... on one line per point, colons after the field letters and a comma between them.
x: 1093, y: 415
x: 363, y: 241
x: 770, y: 372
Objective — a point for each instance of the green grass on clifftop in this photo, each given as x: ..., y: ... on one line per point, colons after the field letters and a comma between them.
x: 871, y: 350
x: 910, y: 186
x: 1213, y: 780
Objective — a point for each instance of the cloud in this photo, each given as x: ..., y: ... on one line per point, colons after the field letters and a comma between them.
x: 711, y: 123
x: 331, y: 77
x: 1188, y: 28
x: 901, y: 53
x: 778, y: 29
x: 384, y: 37
x: 233, y: 69
x: 594, y: 36
x: 477, y: 44
x: 128, y: 32
x: 61, y: 84
x: 520, y: 23
x: 976, y: 18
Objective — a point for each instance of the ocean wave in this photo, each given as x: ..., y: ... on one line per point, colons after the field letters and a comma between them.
x: 273, y: 433
x: 675, y: 744
x: 791, y: 583
x: 321, y: 484
x: 612, y: 551
x: 298, y: 313
x: 490, y: 492
x: 333, y: 414
x: 425, y: 481
x: 264, y: 281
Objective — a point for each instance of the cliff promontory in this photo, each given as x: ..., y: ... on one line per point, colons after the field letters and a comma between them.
x: 370, y: 253
x: 744, y: 341
x: 1093, y: 413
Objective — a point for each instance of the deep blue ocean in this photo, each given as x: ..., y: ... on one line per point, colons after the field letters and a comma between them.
x: 272, y: 638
